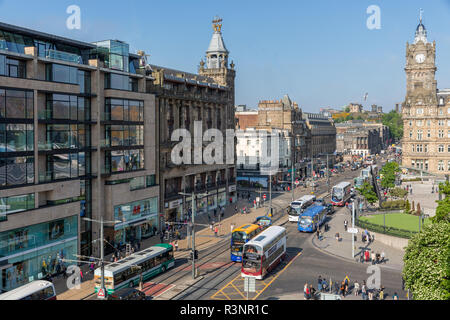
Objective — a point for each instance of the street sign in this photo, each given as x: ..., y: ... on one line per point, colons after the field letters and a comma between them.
x: 101, y: 294
x: 352, y: 230
x: 249, y: 284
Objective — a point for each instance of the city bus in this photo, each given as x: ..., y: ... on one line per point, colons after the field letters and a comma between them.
x: 241, y: 236
x: 312, y: 219
x: 264, y: 253
x: 341, y: 194
x: 299, y: 205
x: 126, y: 273
x: 36, y: 290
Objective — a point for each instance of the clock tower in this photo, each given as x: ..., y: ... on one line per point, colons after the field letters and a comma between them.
x: 426, y: 116
x: 420, y: 70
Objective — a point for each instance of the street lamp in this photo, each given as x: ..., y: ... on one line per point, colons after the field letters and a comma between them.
x: 102, y: 253
x: 193, y: 195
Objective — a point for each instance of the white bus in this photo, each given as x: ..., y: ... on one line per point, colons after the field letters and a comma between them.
x: 341, y: 194
x: 126, y: 273
x: 264, y: 253
x: 299, y: 206
x: 36, y: 290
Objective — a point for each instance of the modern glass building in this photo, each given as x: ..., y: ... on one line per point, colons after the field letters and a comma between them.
x: 77, y: 140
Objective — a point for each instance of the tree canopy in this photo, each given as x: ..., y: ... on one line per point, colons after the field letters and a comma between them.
x: 368, y: 192
x: 427, y: 263
x: 394, y: 121
x: 389, y: 172
x: 443, y: 209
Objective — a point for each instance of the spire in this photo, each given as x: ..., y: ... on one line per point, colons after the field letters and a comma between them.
x: 217, y: 53
x: 421, y: 32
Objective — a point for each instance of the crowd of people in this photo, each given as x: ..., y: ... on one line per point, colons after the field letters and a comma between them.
x: 344, y: 289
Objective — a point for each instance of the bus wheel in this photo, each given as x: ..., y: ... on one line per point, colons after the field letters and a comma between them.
x: 164, y: 269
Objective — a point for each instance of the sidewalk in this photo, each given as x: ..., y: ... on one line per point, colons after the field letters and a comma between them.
x: 343, y: 248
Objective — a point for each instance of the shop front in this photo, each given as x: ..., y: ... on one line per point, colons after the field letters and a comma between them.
x: 222, y: 197
x: 139, y: 221
x: 35, y: 252
x: 232, y: 194
x: 174, y: 210
x: 212, y: 202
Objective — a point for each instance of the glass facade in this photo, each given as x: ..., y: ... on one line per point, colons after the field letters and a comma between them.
x: 32, y: 252
x: 67, y: 107
x: 66, y: 136
x: 67, y: 74
x: 125, y: 160
x: 114, y: 53
x: 120, y: 82
x: 16, y: 104
x: 16, y: 171
x: 12, y: 67
x: 138, y: 220
x: 16, y: 137
x: 122, y: 135
x: 66, y: 166
x: 124, y: 110
x: 16, y: 204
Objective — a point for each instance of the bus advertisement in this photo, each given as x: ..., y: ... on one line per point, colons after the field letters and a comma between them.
x: 240, y: 237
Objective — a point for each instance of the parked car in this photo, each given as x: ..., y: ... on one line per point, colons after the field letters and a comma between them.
x: 128, y: 294
x: 330, y: 209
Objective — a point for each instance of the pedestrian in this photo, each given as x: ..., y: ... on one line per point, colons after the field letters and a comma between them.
x: 235, y: 210
x: 232, y: 227
x: 381, y: 293
x: 370, y: 294
x: 161, y: 236
x: 222, y: 212
x: 312, y: 292
x: 373, y: 256
x: 364, y: 290
x: 345, y: 225
x: 343, y: 289
x: 383, y: 256
x: 356, y: 288
x: 361, y: 258
x: 306, y: 291
x: 373, y: 238
x: 139, y: 245
x: 337, y: 237
x: 215, y: 213
x: 176, y: 245
x: 318, y: 234
x: 336, y: 287
x: 395, y: 296
x: 319, y: 284
x: 81, y: 275
x: 216, y: 231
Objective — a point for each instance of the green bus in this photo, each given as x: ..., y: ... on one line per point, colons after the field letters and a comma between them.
x: 126, y: 273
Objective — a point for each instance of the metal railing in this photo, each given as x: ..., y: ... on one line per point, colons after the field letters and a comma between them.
x: 391, y: 231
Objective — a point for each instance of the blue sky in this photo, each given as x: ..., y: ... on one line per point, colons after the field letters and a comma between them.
x: 319, y: 52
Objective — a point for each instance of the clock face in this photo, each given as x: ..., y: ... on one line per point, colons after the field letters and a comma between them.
x: 420, y: 58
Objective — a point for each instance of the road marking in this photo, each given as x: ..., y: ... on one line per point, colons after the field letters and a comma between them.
x: 280, y: 273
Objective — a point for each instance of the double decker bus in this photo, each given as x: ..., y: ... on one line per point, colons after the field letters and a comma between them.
x: 126, y: 273
x: 241, y: 236
x: 312, y: 219
x: 299, y: 205
x: 264, y: 253
x: 341, y: 194
x: 37, y: 290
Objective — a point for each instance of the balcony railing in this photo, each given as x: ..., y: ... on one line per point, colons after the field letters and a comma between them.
x: 63, y: 56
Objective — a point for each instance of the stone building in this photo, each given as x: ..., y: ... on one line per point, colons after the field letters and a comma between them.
x: 77, y: 141
x: 323, y: 134
x: 286, y: 115
x: 182, y: 99
x: 246, y: 119
x: 426, y: 110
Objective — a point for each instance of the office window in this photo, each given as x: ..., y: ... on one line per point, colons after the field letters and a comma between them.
x: 120, y: 82
x: 15, y: 171
x: 66, y: 166
x: 441, y: 165
x: 67, y: 107
x: 124, y: 110
x: 16, y: 104
x: 441, y: 148
x: 61, y: 73
x: 12, y: 68
x: 125, y: 160
x: 66, y: 136
x: 16, y: 137
x: 16, y: 204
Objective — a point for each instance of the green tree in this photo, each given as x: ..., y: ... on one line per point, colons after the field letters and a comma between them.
x: 394, y: 121
x: 368, y: 192
x: 407, y: 207
x: 443, y: 209
x: 427, y: 263
x: 389, y: 172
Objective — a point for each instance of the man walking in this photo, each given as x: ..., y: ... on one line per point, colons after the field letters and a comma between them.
x: 345, y: 225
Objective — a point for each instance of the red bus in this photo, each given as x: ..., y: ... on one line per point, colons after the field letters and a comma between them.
x: 262, y: 254
x: 341, y: 194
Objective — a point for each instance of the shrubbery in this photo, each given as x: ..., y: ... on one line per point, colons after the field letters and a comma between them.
x: 392, y: 205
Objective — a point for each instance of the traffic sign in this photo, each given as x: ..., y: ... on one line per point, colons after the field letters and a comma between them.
x: 352, y: 230
x: 101, y: 294
x: 249, y: 284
